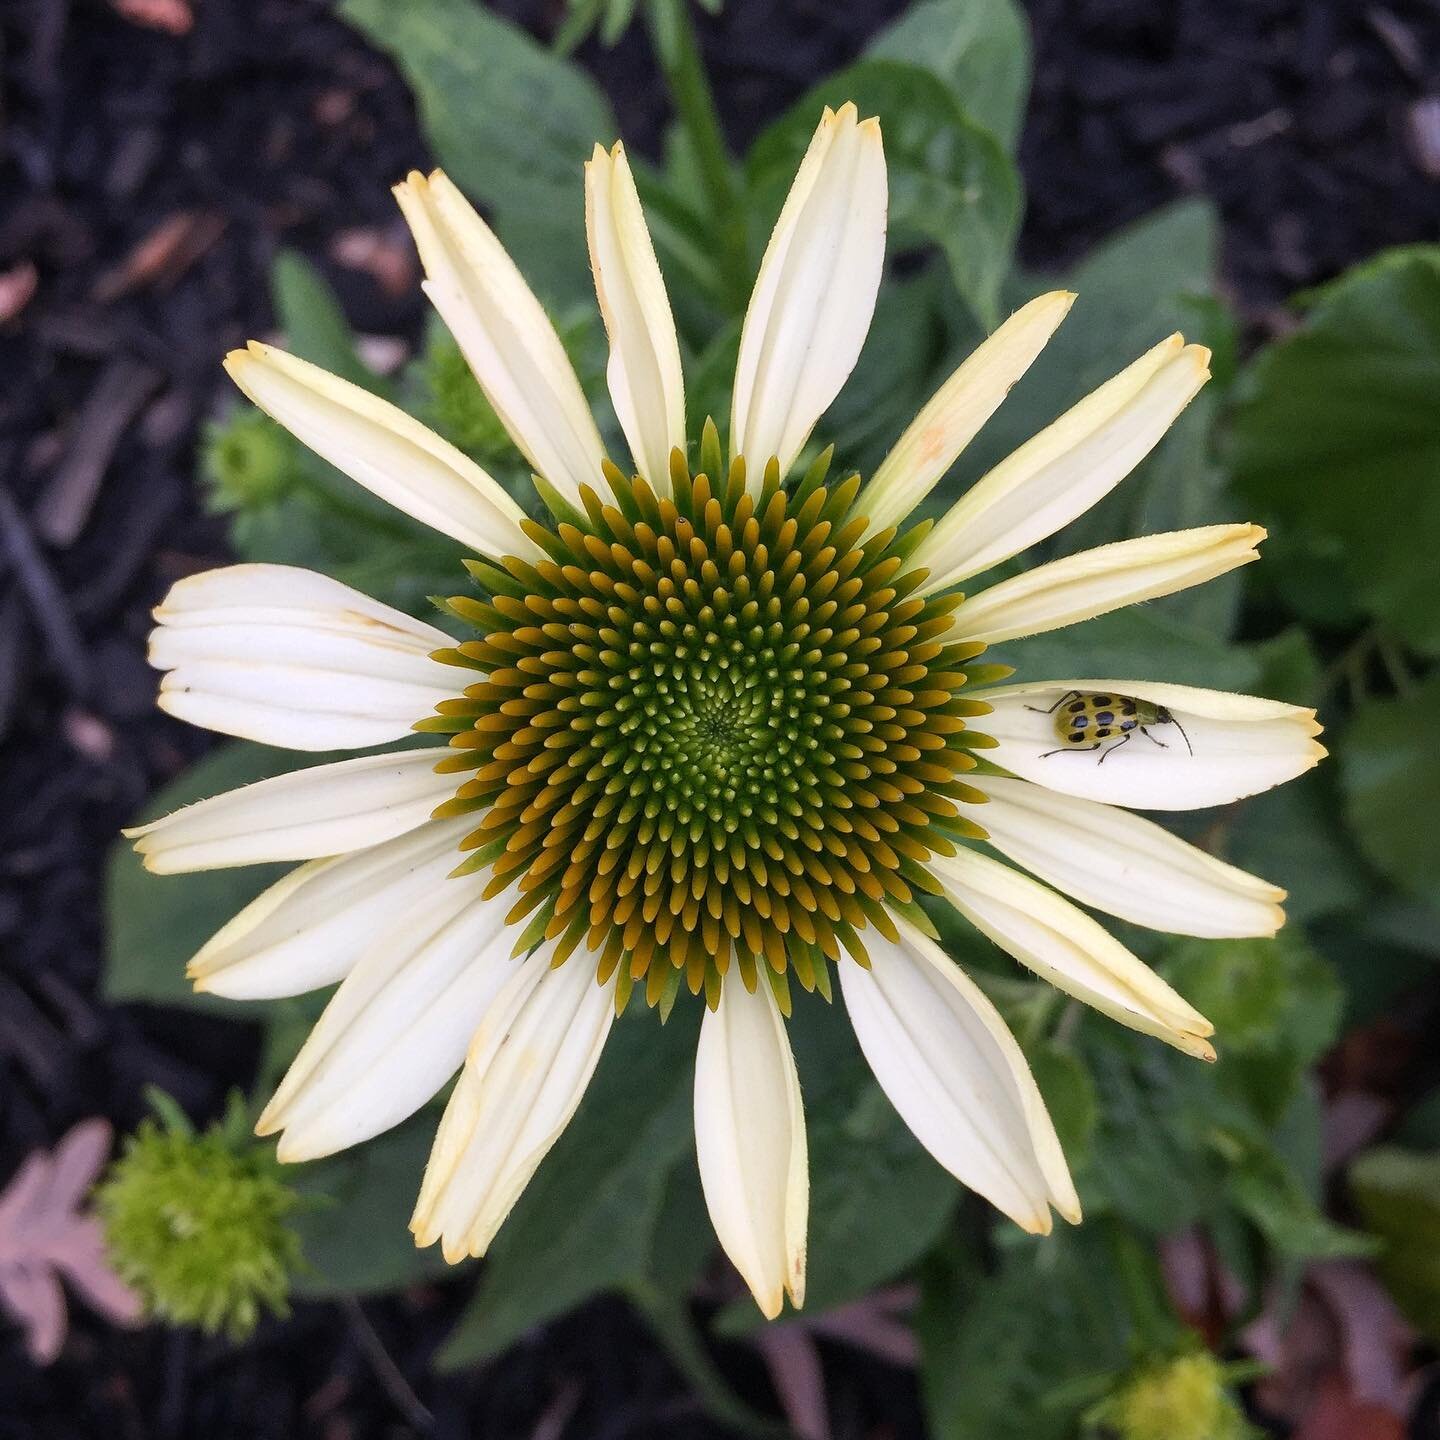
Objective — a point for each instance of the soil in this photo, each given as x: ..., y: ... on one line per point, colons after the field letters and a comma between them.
x: 146, y: 180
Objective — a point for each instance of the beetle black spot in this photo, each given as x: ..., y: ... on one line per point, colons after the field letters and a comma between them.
x: 1102, y: 732
x: 1106, y: 717
x: 1127, y: 707
x: 1128, y: 723
x: 1100, y: 699
x: 1077, y: 707
x: 1077, y: 737
x: 1080, y: 721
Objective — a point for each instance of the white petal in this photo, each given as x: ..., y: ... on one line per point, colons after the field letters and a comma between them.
x: 1094, y: 582
x: 1065, y: 946
x: 952, y: 1069
x: 646, y: 383
x: 1241, y: 745
x: 504, y: 333
x: 1067, y: 467
x: 325, y: 810
x: 524, y: 1077
x: 382, y: 448
x: 1123, y: 864
x: 814, y: 295
x: 396, y: 1029
x: 310, y: 927
x: 288, y: 657
x: 750, y: 1139
x: 952, y: 417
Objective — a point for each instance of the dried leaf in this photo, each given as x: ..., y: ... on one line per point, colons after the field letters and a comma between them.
x: 44, y: 1235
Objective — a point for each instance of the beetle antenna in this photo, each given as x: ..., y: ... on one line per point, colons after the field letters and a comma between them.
x: 1181, y: 729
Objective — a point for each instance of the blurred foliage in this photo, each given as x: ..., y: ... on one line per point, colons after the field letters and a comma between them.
x: 1330, y: 434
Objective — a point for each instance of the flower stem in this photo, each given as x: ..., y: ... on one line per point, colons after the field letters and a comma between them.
x: 672, y: 31
x: 670, y: 1321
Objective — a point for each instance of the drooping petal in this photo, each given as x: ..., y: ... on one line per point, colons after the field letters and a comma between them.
x: 1094, y: 582
x: 524, y: 1076
x: 953, y: 416
x: 952, y: 1069
x: 644, y: 373
x: 325, y: 810
x: 1063, y: 945
x: 504, y: 333
x: 1125, y: 865
x: 1067, y: 467
x: 287, y: 657
x: 310, y: 927
x: 750, y: 1139
x: 397, y: 1028
x: 1232, y: 745
x: 814, y: 295
x: 382, y: 448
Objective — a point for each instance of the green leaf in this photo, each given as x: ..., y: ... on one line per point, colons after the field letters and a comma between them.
x: 510, y: 121
x: 1390, y: 773
x: 980, y: 48
x: 314, y: 324
x: 155, y: 923
x: 1337, y: 437
x: 1292, y: 835
x: 1133, y: 644
x: 1263, y: 996
x: 951, y: 183
x: 1398, y: 1193
x: 356, y: 1235
x: 604, y: 1211
x: 1007, y: 1356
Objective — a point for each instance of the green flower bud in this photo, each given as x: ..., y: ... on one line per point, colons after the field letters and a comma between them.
x: 248, y: 461
x: 1183, y: 1398
x: 196, y: 1223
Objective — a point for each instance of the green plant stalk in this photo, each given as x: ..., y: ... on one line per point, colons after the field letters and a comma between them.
x: 672, y: 31
x: 669, y: 1319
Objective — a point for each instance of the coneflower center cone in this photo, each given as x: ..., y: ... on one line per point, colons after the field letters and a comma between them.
x: 710, y: 726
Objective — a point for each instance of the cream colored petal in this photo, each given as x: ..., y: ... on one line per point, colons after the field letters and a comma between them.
x: 1066, y: 468
x: 291, y: 658
x: 504, y: 333
x: 383, y: 449
x: 396, y: 1030
x: 1094, y: 582
x: 954, y: 414
x: 1063, y: 945
x: 1125, y: 865
x: 310, y: 927
x: 750, y: 1140
x: 1241, y: 745
x: 524, y: 1077
x: 814, y: 295
x: 952, y: 1069
x: 644, y: 374
x: 325, y: 810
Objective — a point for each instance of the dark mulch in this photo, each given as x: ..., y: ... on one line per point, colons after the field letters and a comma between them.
x: 145, y: 182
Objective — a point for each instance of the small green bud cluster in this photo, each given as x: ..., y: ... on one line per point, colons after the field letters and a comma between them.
x: 1180, y: 1398
x: 196, y: 1222
x: 248, y: 461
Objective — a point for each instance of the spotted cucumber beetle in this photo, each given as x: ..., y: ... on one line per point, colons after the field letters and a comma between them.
x: 1085, y: 720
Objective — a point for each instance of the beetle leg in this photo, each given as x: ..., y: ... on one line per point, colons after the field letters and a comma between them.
x: 1115, y: 747
x: 1152, y: 739
x: 1054, y: 707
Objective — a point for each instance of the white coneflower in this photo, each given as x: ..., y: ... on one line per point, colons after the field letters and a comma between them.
x: 716, y: 727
